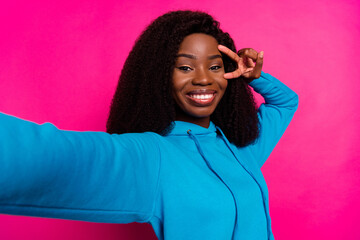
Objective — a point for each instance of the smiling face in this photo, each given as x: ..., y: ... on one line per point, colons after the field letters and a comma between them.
x: 198, y: 82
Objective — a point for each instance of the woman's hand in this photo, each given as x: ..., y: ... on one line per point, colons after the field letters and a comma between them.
x: 245, y: 59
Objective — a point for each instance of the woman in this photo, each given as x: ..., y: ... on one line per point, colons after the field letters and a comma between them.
x: 188, y: 147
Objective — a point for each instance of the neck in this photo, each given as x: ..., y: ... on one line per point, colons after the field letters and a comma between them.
x: 203, y: 122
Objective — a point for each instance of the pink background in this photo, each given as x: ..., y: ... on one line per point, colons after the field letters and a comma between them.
x: 60, y: 62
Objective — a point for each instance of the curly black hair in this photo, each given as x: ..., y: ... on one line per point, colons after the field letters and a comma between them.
x: 143, y: 100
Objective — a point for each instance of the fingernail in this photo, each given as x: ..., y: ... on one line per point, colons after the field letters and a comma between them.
x: 261, y: 55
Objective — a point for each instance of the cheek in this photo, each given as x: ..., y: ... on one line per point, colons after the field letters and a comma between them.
x: 221, y: 81
x: 223, y: 84
x: 176, y: 93
x: 179, y: 83
x: 174, y: 85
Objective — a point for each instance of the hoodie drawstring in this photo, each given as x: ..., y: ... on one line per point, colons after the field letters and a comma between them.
x: 193, y: 137
x: 252, y: 175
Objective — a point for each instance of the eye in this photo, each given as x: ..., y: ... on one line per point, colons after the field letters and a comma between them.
x: 214, y: 68
x: 184, y: 68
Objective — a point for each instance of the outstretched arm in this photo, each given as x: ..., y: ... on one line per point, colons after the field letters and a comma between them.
x: 89, y: 176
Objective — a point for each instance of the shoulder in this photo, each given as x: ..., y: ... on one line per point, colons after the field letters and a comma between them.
x: 146, y: 140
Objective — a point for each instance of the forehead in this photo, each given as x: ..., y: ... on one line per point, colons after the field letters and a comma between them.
x: 199, y: 43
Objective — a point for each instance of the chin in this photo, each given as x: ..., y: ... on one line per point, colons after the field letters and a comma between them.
x: 201, y: 114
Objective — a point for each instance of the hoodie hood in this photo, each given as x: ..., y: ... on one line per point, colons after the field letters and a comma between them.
x: 181, y: 128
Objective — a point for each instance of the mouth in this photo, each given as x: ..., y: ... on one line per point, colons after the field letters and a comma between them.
x: 202, y: 97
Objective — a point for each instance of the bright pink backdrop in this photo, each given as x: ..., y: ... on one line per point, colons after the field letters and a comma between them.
x: 60, y: 63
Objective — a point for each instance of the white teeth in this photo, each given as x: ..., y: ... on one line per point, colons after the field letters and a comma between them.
x: 202, y: 96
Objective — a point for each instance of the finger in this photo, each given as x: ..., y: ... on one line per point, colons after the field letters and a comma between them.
x: 250, y: 62
x: 229, y: 53
x: 246, y: 61
x: 248, y: 70
x: 259, y: 64
x: 236, y: 58
x: 243, y: 63
x: 248, y: 52
x: 238, y: 72
x: 235, y: 74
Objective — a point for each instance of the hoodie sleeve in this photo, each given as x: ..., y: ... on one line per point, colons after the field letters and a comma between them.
x: 274, y: 116
x: 88, y: 176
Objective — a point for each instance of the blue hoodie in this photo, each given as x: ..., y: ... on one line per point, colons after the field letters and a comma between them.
x: 190, y: 184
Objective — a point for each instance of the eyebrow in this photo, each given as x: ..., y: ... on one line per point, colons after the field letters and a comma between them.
x: 194, y: 57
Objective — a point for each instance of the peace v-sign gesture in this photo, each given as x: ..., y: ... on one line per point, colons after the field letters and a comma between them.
x: 245, y: 59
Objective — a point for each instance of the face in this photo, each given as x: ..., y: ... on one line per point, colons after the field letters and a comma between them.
x: 198, y: 82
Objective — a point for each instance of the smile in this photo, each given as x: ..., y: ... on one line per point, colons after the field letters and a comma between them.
x: 201, y: 99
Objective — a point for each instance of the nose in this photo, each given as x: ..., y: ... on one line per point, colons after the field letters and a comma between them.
x: 202, y: 77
